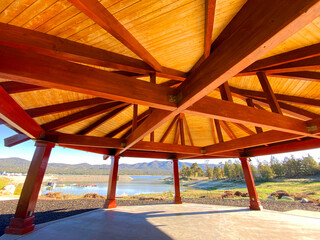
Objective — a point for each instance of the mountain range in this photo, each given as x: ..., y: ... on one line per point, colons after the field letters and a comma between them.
x: 19, y: 165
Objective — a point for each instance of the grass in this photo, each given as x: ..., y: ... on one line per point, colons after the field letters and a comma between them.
x: 4, y: 181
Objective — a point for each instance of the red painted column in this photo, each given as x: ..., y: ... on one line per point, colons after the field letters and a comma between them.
x: 254, y: 199
x: 112, y: 185
x: 177, y: 197
x: 22, y: 222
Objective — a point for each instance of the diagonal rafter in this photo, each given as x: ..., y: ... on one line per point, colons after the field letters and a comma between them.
x: 188, y: 129
x: 16, y: 87
x: 62, y: 107
x: 127, y: 124
x: 100, y: 15
x: 250, y: 104
x: 102, y: 120
x: 14, y: 115
x: 272, y: 100
x: 82, y: 115
x: 303, y: 75
x: 210, y: 12
x: 228, y: 130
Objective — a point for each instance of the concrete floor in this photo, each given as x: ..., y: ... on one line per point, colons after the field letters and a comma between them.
x: 186, y: 221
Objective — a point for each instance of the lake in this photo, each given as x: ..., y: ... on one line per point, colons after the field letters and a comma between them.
x: 139, y: 185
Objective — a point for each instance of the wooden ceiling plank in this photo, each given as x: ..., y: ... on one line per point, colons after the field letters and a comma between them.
x: 14, y: 115
x: 188, y: 129
x: 102, y: 120
x: 210, y: 12
x: 127, y: 124
x: 82, y: 115
x: 32, y: 68
x: 45, y: 44
x: 100, y: 15
x: 12, y: 87
x: 15, y: 140
x: 62, y: 107
x: 135, y: 117
x: 272, y: 100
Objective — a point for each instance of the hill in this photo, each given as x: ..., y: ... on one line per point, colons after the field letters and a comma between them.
x: 19, y: 165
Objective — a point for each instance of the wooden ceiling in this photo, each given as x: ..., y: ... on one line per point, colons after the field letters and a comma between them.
x: 162, y: 79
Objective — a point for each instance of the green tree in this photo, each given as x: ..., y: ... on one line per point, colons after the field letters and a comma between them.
x: 265, y: 171
x: 217, y: 173
x: 185, y: 171
x: 194, y: 168
x: 254, y: 171
x: 277, y: 167
x: 227, y: 170
x: 209, y: 172
x: 309, y: 166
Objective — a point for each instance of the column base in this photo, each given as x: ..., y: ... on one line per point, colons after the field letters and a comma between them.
x: 110, y: 203
x: 20, y: 226
x: 177, y: 200
x: 255, y: 205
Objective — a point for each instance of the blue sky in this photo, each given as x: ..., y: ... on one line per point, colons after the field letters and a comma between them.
x: 63, y: 155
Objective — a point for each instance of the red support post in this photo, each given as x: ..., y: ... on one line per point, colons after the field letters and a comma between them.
x: 112, y: 185
x: 254, y: 199
x: 22, y: 222
x: 177, y: 197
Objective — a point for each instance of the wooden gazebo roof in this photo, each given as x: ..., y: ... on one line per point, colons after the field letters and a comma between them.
x: 162, y: 79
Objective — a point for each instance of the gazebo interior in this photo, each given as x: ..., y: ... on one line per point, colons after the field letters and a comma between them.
x: 171, y: 79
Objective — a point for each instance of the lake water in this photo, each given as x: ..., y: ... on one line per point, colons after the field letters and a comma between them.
x: 139, y: 185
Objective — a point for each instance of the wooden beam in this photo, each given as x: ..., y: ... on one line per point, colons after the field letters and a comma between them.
x: 177, y: 133
x: 301, y: 65
x: 127, y: 124
x: 15, y: 140
x: 272, y: 100
x: 250, y: 141
x: 181, y: 131
x: 166, y: 133
x: 304, y: 75
x: 187, y: 127
x: 100, y: 15
x: 287, y: 57
x: 228, y: 130
x: 82, y: 115
x: 284, y: 147
x: 279, y: 97
x: 14, y: 115
x: 210, y: 12
x: 90, y: 141
x: 16, y: 87
x: 250, y: 104
x: 32, y: 68
x: 232, y: 112
x: 290, y: 110
x: 244, y: 128
x: 218, y: 128
x: 45, y: 44
x: 213, y: 131
x: 62, y: 107
x: 102, y: 120
x: 135, y: 117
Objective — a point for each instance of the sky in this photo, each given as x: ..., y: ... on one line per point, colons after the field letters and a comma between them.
x: 64, y: 155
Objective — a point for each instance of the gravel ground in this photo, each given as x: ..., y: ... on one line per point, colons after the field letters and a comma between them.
x: 49, y: 210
